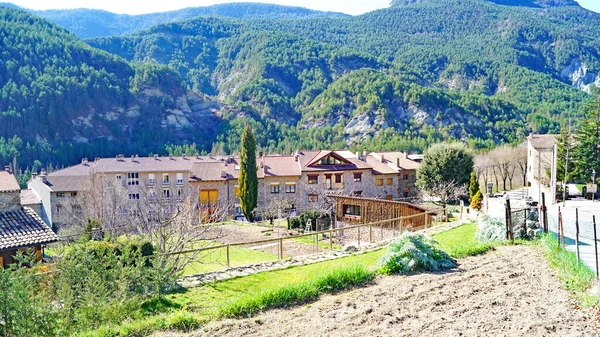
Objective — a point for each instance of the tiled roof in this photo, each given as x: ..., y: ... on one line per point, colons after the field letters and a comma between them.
x: 8, y: 182
x: 28, y: 197
x: 379, y: 167
x: 542, y: 141
x: 23, y: 228
x: 209, y: 172
x: 281, y: 166
x: 136, y: 164
x: 401, y: 158
x: 306, y: 158
x: 65, y: 183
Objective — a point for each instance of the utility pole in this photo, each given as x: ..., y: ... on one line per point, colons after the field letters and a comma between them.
x: 567, y: 145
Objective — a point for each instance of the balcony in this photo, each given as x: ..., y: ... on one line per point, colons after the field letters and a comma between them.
x: 179, y: 182
x: 166, y: 183
x: 151, y: 182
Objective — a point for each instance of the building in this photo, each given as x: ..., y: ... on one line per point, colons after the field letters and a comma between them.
x: 20, y: 227
x: 541, y: 165
x: 301, y: 180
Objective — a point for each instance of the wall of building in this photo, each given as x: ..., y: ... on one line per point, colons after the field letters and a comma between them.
x: 10, y: 201
x: 43, y: 192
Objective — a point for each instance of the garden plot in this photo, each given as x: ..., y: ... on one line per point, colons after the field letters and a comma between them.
x: 508, y: 292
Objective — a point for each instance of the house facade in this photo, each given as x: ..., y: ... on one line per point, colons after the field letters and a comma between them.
x: 302, y: 181
x: 541, y: 165
x: 20, y: 227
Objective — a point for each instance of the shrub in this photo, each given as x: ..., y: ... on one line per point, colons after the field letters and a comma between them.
x: 490, y: 229
x: 476, y: 201
x: 313, y: 216
x: 295, y: 223
x: 414, y: 252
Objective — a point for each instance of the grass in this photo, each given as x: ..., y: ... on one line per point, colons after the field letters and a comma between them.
x: 245, y: 296
x: 461, y: 242
x: 575, y: 275
x: 217, y: 259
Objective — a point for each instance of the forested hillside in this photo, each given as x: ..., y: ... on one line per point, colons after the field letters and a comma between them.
x: 89, y: 23
x: 484, y: 72
x: 62, y: 100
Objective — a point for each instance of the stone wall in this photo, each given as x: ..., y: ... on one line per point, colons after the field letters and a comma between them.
x: 10, y: 201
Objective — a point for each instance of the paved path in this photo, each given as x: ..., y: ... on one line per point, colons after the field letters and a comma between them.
x: 587, y: 209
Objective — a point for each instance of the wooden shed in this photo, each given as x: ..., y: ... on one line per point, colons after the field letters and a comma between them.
x: 359, y: 210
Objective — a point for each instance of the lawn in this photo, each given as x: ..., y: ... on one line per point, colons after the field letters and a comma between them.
x: 323, y: 243
x: 460, y: 242
x: 217, y: 259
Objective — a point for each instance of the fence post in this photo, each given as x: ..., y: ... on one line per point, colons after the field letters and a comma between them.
x: 577, y: 232
x: 370, y: 233
x: 596, y: 247
x: 508, y: 220
x: 558, y: 225
x: 544, y: 213
x: 330, y: 239
x: 281, y: 249
x: 359, y: 228
x: 228, y: 256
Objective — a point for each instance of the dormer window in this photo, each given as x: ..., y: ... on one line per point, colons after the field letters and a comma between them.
x: 330, y: 161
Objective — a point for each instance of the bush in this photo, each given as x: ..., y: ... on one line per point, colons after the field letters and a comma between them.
x: 490, y: 229
x: 295, y: 223
x: 414, y: 252
x: 313, y: 216
x: 476, y: 201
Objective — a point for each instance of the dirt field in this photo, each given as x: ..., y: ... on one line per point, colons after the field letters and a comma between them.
x: 508, y: 292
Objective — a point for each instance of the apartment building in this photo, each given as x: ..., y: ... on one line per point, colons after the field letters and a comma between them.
x: 302, y: 180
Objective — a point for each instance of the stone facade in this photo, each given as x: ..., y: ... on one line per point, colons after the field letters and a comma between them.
x: 10, y: 201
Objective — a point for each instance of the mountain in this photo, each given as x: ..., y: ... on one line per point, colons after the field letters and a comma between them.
x: 62, y: 100
x: 89, y: 23
x: 399, y: 78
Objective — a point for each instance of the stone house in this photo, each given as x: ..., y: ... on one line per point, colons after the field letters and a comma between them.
x: 20, y: 227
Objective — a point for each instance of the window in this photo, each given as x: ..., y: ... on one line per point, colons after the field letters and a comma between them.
x: 118, y: 178
x: 357, y: 193
x: 151, y: 180
x: 313, y: 198
x: 357, y: 177
x: 313, y: 179
x: 179, y: 178
x: 389, y: 197
x: 330, y: 161
x: 405, y: 177
x: 328, y: 184
x: 76, y: 209
x: 379, y: 182
x: 74, y: 194
x: 133, y: 178
x: 58, y: 209
x: 179, y: 193
x: 290, y: 188
x: 152, y: 194
x: 134, y: 196
x: 389, y: 181
x: 60, y: 195
x: 338, y: 178
x: 405, y: 194
x: 209, y: 198
x: 274, y: 188
x: 238, y: 210
x: 166, y: 193
x: 166, y: 179
x: 351, y: 210
x: 236, y: 191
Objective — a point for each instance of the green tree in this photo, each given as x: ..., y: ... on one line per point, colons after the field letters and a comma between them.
x: 248, y: 179
x: 563, y: 148
x: 473, y: 185
x: 587, y: 151
x: 445, y: 171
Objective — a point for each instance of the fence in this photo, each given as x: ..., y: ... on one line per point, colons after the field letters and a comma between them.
x: 324, y: 241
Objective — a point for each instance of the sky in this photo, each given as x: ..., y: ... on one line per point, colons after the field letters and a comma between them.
x: 353, y: 7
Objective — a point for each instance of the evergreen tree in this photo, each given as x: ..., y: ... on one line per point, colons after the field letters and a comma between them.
x: 563, y: 148
x: 476, y: 201
x: 248, y: 179
x: 473, y: 186
x: 587, y: 151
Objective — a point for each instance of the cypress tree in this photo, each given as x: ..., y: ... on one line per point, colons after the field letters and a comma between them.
x: 587, y: 151
x: 248, y: 179
x: 473, y: 186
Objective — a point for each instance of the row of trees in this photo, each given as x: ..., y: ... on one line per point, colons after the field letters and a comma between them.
x: 501, y: 165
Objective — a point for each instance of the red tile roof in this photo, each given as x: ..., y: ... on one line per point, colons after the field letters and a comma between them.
x: 8, y: 182
x: 308, y: 158
x: 23, y: 228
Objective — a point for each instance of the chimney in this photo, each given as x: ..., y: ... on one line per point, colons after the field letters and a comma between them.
x: 132, y: 158
x: 34, y: 175
x: 398, y: 162
x: 84, y: 160
x: 262, y: 164
x: 7, y: 168
x: 43, y: 174
x: 406, y: 155
x: 260, y: 154
x: 97, y: 159
x: 296, y: 157
x: 155, y: 157
x: 382, y: 159
x: 357, y: 155
x: 223, y: 174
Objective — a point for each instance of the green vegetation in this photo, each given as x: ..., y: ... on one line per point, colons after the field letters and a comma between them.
x: 575, y: 275
x: 461, y: 241
x: 473, y: 186
x: 587, y: 150
x: 248, y: 179
x: 217, y: 259
x: 414, y: 253
x: 331, y: 281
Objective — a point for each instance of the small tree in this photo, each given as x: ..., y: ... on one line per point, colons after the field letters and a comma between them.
x: 587, y: 150
x: 248, y: 179
x: 473, y: 186
x: 445, y: 171
x: 476, y: 201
